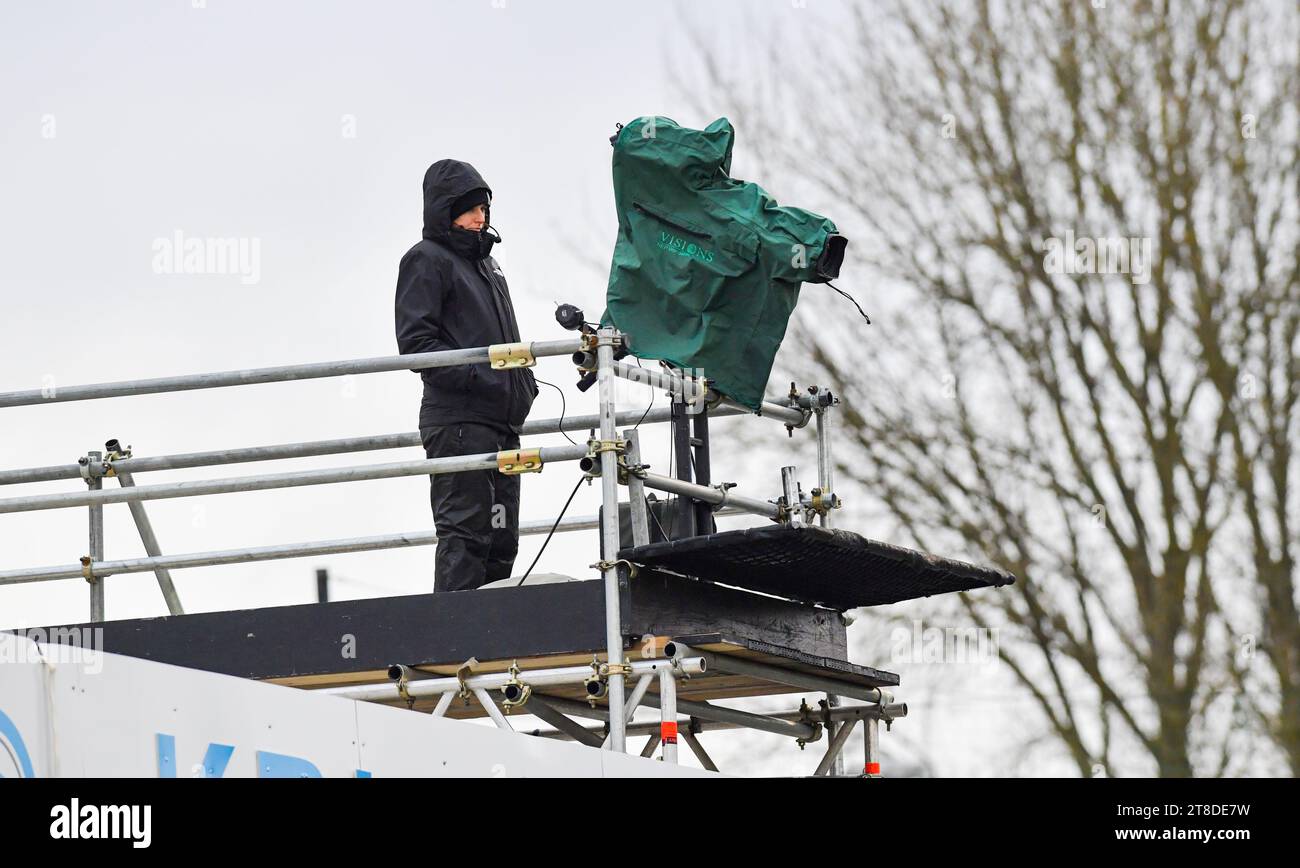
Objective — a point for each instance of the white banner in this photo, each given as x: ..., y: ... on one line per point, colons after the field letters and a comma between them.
x: 73, y: 713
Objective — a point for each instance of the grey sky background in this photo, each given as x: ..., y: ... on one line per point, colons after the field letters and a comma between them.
x: 229, y: 121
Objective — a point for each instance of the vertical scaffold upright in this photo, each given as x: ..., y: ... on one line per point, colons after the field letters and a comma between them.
x: 613, y: 570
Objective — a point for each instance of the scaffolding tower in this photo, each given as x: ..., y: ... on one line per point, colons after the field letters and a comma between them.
x: 677, y: 673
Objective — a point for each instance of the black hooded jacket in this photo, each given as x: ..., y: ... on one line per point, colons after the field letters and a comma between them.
x: 451, y: 295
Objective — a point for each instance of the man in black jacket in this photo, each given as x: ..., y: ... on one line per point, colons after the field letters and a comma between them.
x: 451, y: 294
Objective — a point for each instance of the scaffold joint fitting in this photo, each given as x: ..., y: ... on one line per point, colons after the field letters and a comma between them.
x: 507, y: 356
x: 515, y: 461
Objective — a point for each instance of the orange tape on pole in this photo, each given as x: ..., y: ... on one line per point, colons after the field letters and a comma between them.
x: 872, y: 769
x: 668, y: 732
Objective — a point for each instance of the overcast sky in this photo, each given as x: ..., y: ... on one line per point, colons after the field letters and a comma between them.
x: 304, y: 129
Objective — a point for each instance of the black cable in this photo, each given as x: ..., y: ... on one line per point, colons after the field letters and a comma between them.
x: 672, y: 450
x: 852, y: 299
x: 646, y: 413
x: 648, y: 406
x: 551, y: 533
x: 650, y: 510
x: 562, y: 407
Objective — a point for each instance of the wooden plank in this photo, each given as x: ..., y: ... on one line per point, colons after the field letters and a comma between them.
x: 442, y: 670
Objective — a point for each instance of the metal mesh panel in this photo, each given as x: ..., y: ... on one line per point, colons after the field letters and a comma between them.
x: 830, y: 567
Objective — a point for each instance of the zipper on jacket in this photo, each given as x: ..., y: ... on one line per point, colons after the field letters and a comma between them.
x: 696, y: 232
x: 498, y: 299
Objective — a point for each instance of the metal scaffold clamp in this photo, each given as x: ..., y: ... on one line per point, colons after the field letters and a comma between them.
x: 523, y: 692
x: 820, y: 400
x: 92, y: 469
x: 679, y: 671
x: 822, y: 503
x: 595, y: 684
x: 515, y: 461
x: 626, y: 470
x: 465, y: 670
x: 403, y: 673
x: 114, y: 453
x: 783, y: 510
x: 595, y: 446
x: 887, y: 716
x: 809, y: 717
x: 805, y: 404
x: 609, y: 565
x: 88, y: 569
x: 504, y: 357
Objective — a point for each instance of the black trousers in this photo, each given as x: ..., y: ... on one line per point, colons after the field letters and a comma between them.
x: 476, y: 514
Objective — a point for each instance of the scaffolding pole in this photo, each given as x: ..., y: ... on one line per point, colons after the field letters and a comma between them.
x: 803, y: 680
x: 871, y: 748
x: 716, y: 718
x: 825, y: 460
x: 715, y: 496
x: 151, y: 547
x: 698, y: 749
x: 419, y: 467
x: 280, y: 551
x: 313, y: 448
x: 835, y: 748
x: 638, y: 512
x: 790, y: 496
x: 797, y: 729
x: 281, y: 373
x: 826, y: 482
x: 689, y: 390
x: 667, y: 700
x: 95, y: 484
x: 612, y: 570
x: 534, y: 678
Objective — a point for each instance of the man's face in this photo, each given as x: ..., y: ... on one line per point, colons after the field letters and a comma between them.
x: 474, y: 219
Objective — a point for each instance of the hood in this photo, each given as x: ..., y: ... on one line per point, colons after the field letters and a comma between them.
x: 444, y: 183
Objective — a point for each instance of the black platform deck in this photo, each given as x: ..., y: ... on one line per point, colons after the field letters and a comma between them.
x: 562, y: 624
x: 355, y: 641
x: 828, y: 567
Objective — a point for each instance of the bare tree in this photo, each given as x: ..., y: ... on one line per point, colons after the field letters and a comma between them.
x: 1076, y: 224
